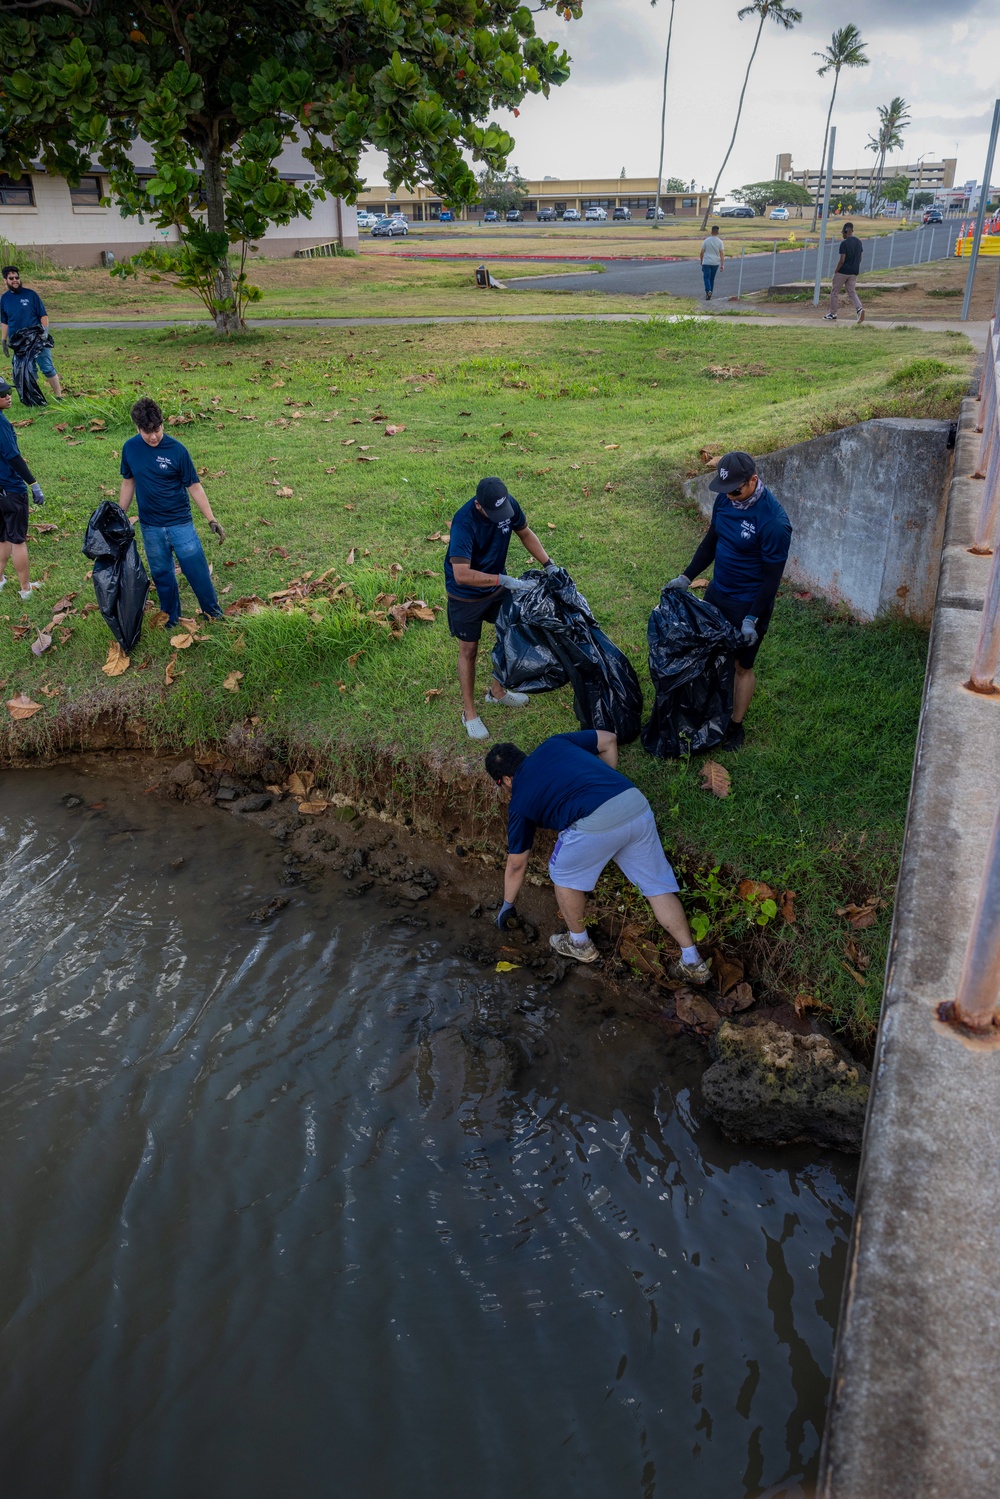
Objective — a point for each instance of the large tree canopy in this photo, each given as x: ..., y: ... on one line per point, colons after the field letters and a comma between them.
x: 760, y: 195
x: 216, y: 90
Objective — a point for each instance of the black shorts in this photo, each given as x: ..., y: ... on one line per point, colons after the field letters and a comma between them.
x: 466, y: 616
x: 13, y: 517
x: 736, y: 613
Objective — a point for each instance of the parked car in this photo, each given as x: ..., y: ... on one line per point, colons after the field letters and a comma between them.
x: 779, y: 213
x: 596, y: 212
x: 446, y: 216
x: 491, y: 216
x: 622, y: 213
x: 365, y: 219
x: 736, y: 211
x: 652, y: 212
x: 546, y: 215
x: 571, y: 215
x: 514, y: 216
x: 389, y: 228
x: 933, y: 216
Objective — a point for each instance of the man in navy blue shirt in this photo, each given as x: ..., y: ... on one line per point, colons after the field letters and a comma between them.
x: 20, y: 307
x: 15, y: 479
x: 475, y: 580
x: 570, y: 783
x: 748, y: 540
x: 158, y: 470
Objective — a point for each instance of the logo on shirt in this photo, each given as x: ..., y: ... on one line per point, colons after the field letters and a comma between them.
x: 747, y: 530
x: 163, y: 463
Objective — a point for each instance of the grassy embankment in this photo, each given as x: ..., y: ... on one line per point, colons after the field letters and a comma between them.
x: 594, y: 430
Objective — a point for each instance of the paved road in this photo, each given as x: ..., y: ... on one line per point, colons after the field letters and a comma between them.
x: 902, y: 248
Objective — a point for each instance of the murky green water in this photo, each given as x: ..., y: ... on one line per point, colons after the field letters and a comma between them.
x: 318, y: 1210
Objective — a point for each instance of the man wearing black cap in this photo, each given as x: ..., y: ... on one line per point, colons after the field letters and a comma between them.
x: 15, y: 480
x: 748, y: 540
x: 475, y: 580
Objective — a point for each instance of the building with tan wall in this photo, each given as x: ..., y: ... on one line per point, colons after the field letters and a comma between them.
x: 636, y: 193
x: 77, y: 225
x: 925, y: 176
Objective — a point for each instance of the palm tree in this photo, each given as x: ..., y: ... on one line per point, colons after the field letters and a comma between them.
x: 846, y: 50
x: 888, y: 138
x: 663, y: 113
x: 782, y: 15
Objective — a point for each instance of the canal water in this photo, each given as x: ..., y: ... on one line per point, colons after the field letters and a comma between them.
x: 319, y: 1208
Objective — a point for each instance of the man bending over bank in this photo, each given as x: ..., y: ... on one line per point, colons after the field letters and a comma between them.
x: 158, y: 470
x: 570, y: 784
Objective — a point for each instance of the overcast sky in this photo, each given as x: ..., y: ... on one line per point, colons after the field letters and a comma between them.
x: 940, y: 55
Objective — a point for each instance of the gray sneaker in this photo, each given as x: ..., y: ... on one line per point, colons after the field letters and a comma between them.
x: 509, y: 699
x: 563, y: 944
x: 691, y: 973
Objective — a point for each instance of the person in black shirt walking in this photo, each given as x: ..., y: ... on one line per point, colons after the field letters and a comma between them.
x: 845, y: 277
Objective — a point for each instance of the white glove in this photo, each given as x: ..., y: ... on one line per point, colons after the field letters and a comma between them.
x: 748, y: 631
x: 551, y: 567
x: 682, y: 582
x: 36, y: 494
x: 516, y: 585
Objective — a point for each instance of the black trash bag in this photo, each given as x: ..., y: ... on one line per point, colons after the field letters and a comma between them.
x: 120, y: 580
x: 692, y: 661
x: 547, y: 637
x: 25, y: 346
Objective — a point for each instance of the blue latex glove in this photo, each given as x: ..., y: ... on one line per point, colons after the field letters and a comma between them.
x: 681, y: 582
x: 516, y: 585
x: 37, y: 498
x: 748, y: 631
x: 506, y: 911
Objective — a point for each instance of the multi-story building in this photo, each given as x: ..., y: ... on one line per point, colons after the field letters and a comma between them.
x: 925, y: 176
x: 635, y: 193
x: 77, y: 226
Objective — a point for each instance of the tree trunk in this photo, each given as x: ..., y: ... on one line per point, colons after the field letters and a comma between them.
x: 739, y: 111
x: 822, y: 163
x: 227, y: 321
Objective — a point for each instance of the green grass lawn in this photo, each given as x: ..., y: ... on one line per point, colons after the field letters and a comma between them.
x: 594, y: 429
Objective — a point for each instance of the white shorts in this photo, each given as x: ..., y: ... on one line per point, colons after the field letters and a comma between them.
x: 579, y: 858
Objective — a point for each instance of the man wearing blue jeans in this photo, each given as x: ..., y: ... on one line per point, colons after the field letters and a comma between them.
x: 713, y: 258
x: 158, y: 470
x: 570, y: 783
x: 20, y: 307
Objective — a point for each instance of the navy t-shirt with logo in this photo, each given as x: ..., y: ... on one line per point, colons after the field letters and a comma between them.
x: 481, y: 543
x: 162, y: 476
x: 852, y: 249
x: 10, y: 479
x: 561, y: 781
x: 21, y: 309
x: 747, y: 539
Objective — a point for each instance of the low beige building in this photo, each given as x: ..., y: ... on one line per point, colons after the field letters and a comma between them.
x: 73, y: 226
x: 925, y: 176
x: 635, y: 193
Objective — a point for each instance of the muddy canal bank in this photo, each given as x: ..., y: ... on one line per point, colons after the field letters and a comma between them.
x: 294, y: 1190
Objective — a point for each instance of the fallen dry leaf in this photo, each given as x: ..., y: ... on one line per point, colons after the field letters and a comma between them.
x: 182, y: 641
x: 788, y: 907
x: 728, y: 973
x: 858, y: 978
x: 41, y: 644
x: 642, y: 955
x: 50, y: 691
x: 700, y: 583
x: 171, y: 671
x: 311, y: 809
x: 392, y: 430
x: 695, y: 1011
x: 232, y: 682
x: 117, y: 661
x: 300, y: 782
x: 609, y: 446
x: 348, y: 442
x: 366, y: 458
x: 22, y: 707
x: 284, y: 493
x: 804, y: 596
x: 432, y: 692
x: 806, y: 1002
x: 350, y: 555
x: 743, y: 995
x: 862, y: 917
x: 156, y: 620
x: 754, y: 890
x: 715, y: 778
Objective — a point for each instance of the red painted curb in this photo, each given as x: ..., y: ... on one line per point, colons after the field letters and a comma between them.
x: 558, y: 259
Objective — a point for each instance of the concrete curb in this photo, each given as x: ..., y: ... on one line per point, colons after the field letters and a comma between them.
x: 916, y: 1382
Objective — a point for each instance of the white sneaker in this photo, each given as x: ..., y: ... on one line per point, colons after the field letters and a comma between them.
x: 509, y: 699
x: 829, y: 317
x: 3, y: 583
x: 583, y: 952
x: 30, y: 590
x: 475, y: 728
x: 861, y: 316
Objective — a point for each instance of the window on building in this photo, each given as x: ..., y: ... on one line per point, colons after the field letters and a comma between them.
x: 597, y: 203
x: 88, y: 194
x: 16, y: 194
x: 689, y: 202
x: 530, y: 205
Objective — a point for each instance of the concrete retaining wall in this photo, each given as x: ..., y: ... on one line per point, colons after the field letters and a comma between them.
x: 916, y: 1384
x: 867, y: 505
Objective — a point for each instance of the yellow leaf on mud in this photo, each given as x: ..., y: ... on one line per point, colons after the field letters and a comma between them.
x: 117, y: 661
x: 171, y: 671
x: 22, y: 706
x: 715, y: 778
x: 312, y: 809
x: 182, y: 641
x: 232, y: 682
x: 506, y: 967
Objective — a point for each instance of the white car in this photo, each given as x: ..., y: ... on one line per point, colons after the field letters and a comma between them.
x: 779, y: 213
x: 572, y: 215
x: 365, y: 219
x: 596, y: 212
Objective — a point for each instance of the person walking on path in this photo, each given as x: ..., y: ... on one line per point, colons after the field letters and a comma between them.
x: 845, y: 277
x: 570, y: 783
x: 712, y: 259
x: 15, y: 480
x: 20, y: 307
x: 158, y: 470
x: 475, y: 581
x: 748, y: 539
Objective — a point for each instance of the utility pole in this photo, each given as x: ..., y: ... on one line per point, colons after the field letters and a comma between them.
x: 980, y: 216
x: 663, y: 117
x: 828, y: 166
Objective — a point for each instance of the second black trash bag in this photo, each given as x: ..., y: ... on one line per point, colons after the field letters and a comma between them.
x: 547, y: 636
x: 692, y: 661
x: 120, y: 580
x: 25, y: 346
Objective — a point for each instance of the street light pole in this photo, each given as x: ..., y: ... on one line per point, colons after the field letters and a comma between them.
x: 663, y: 117
x: 915, y: 190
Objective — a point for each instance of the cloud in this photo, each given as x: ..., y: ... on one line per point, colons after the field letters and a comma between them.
x: 884, y: 15
x: 612, y: 48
